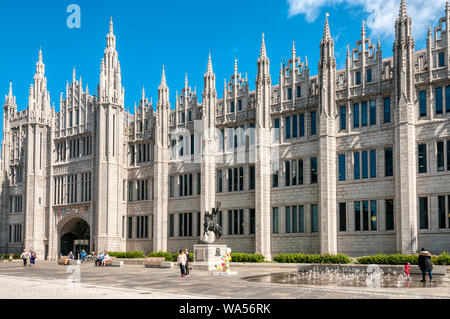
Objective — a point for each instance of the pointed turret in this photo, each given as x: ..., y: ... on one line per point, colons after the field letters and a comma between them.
x: 262, y: 52
x: 209, y: 68
x: 293, y: 51
x: 163, y: 77
x: 186, y: 81
x: 402, y: 14
x: 10, y: 99
x: 326, y: 29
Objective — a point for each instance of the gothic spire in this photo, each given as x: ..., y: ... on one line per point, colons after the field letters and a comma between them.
x: 111, y: 26
x: 74, y: 74
x: 326, y: 29
x: 293, y: 48
x: 186, y: 81
x: 210, y: 68
x: 402, y: 13
x: 235, y: 66
x: 363, y: 29
x: 10, y: 93
x: 163, y: 77
x: 40, y: 55
x: 263, y: 53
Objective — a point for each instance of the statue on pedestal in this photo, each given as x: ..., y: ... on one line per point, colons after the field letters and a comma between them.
x: 212, y: 231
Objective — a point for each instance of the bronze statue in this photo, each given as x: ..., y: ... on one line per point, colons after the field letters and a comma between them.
x: 210, y: 223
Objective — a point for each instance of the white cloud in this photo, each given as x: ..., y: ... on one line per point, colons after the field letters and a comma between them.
x: 379, y: 14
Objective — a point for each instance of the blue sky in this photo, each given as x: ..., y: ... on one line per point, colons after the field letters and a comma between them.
x: 179, y: 34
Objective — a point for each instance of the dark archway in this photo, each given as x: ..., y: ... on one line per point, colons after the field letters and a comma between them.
x: 75, y: 236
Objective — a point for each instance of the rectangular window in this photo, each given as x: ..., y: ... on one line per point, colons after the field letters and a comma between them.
x: 441, y: 212
x: 294, y: 126
x: 252, y: 221
x: 447, y: 99
x: 219, y: 220
x: 369, y: 75
x: 241, y: 221
x: 343, y: 117
x: 440, y: 156
x: 448, y: 155
x: 288, y: 127
x: 387, y: 110
x: 441, y: 59
x: 423, y: 103
x: 275, y: 175
x: 192, y: 144
x: 130, y: 227
x: 199, y: 183
x: 299, y: 91
x: 356, y: 115
x: 276, y: 133
x: 365, y: 165
x: 364, y: 114
x: 300, y: 172
x: 289, y: 94
x: 373, y: 163
x: 235, y: 179
x: 365, y: 205
x: 423, y: 212
x: 275, y: 220
x: 302, y: 124
x: 239, y: 105
x: 373, y: 112
x: 342, y: 167
x: 236, y: 221
x: 357, y: 216
x: 301, y: 219
x: 294, y: 219
x: 342, y: 217
x: 438, y: 100
x: 219, y: 181
x: 314, y: 170
x: 288, y: 219
x: 241, y: 178
x: 232, y: 106
x: 314, y: 219
x: 294, y: 173
x: 313, y: 123
x: 287, y: 173
x: 358, y: 78
x: 230, y: 222
x: 389, y: 214
x: 422, y: 151
x: 171, y: 225
x: 180, y: 185
x: 373, y: 215
x: 252, y: 177
x: 356, y: 166
x: 388, y: 162
x: 171, y: 184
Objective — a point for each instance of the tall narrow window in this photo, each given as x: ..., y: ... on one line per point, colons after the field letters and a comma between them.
x: 230, y: 180
x: 288, y: 219
x: 373, y: 112
x: 314, y: 170
x: 171, y: 225
x: 364, y: 114
x: 369, y: 75
x: 235, y: 179
x: 387, y: 110
x: 448, y: 155
x: 239, y: 105
x: 288, y: 127
x: 365, y: 165
x: 301, y: 219
x: 438, y: 100
x: 276, y: 133
x: 388, y: 162
x: 241, y: 178
x: 275, y: 175
x: 356, y: 166
x: 289, y: 94
x: 342, y: 217
x: 356, y: 115
x: 302, y: 124
x: 343, y: 117
x: 357, y: 216
x: 313, y: 123
x: 365, y: 205
x: 373, y: 215
x: 314, y: 219
x: 423, y: 212
x: 423, y: 103
x: 219, y: 180
x: 447, y: 99
x: 358, y: 78
x: 422, y: 151
x: 287, y: 173
x: 230, y: 222
x: 440, y: 156
x: 199, y: 183
x: 275, y: 220
x: 252, y: 221
x: 342, y: 167
x: 252, y: 177
x: 373, y: 163
x: 192, y: 144
x: 299, y: 91
x: 294, y: 126
x: 300, y: 172
x: 441, y: 212
x: 294, y: 219
x: 441, y: 59
x: 389, y: 214
x: 294, y: 173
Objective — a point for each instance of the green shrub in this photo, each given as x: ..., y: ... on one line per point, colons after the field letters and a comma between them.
x: 127, y: 254
x: 6, y: 256
x: 312, y: 259
x: 443, y: 259
x: 167, y: 255
x: 247, y: 258
x: 398, y: 259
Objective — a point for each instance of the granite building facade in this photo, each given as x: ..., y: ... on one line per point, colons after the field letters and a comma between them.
x: 353, y: 160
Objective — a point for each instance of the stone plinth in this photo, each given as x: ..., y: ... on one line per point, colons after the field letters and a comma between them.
x: 207, y: 256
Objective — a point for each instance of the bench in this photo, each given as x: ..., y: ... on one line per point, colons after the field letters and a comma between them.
x: 167, y: 264
x: 71, y: 262
x: 110, y: 262
x: 154, y: 262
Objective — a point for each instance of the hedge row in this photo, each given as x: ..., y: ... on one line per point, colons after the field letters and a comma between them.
x: 168, y: 255
x: 247, y: 258
x: 312, y: 259
x: 127, y: 254
x: 6, y: 256
x: 398, y: 259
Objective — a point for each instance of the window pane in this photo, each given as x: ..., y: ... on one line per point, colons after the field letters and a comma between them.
x: 373, y: 112
x: 423, y: 103
x: 447, y: 98
x: 302, y: 124
x: 356, y: 165
x: 252, y: 221
x: 440, y: 156
x: 235, y: 178
x: 313, y: 123
x: 373, y: 215
x: 423, y: 212
x: 365, y: 215
x: 441, y: 212
x: 441, y: 59
x: 301, y: 219
x: 356, y: 115
x: 252, y: 177
x: 288, y: 127
x: 287, y: 173
x: 300, y: 172
x: 357, y: 216
x: 438, y: 100
x: 230, y: 180
x: 365, y: 165
x: 343, y: 118
x: 241, y: 221
x: 387, y: 110
x: 294, y: 219
x: 389, y: 214
x: 388, y: 162
x: 313, y: 170
x: 364, y: 114
x: 373, y: 163
x: 448, y: 154
x: 275, y: 220
x: 314, y: 219
x: 288, y: 219
x: 230, y: 222
x: 342, y: 217
x: 422, y: 150
x: 369, y: 75
x: 294, y: 126
x: 342, y: 167
x: 358, y: 78
x: 276, y: 136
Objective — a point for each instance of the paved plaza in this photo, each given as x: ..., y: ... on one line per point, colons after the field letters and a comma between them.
x: 50, y: 281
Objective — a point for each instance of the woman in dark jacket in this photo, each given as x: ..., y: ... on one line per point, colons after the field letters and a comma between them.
x: 425, y: 264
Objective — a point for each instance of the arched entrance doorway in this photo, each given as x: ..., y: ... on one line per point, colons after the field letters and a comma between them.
x: 74, y: 236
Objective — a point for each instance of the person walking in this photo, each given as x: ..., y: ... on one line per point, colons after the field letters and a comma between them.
x: 24, y: 257
x: 188, y: 262
x: 32, y: 258
x: 425, y: 264
x: 181, y: 260
x: 11, y: 257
